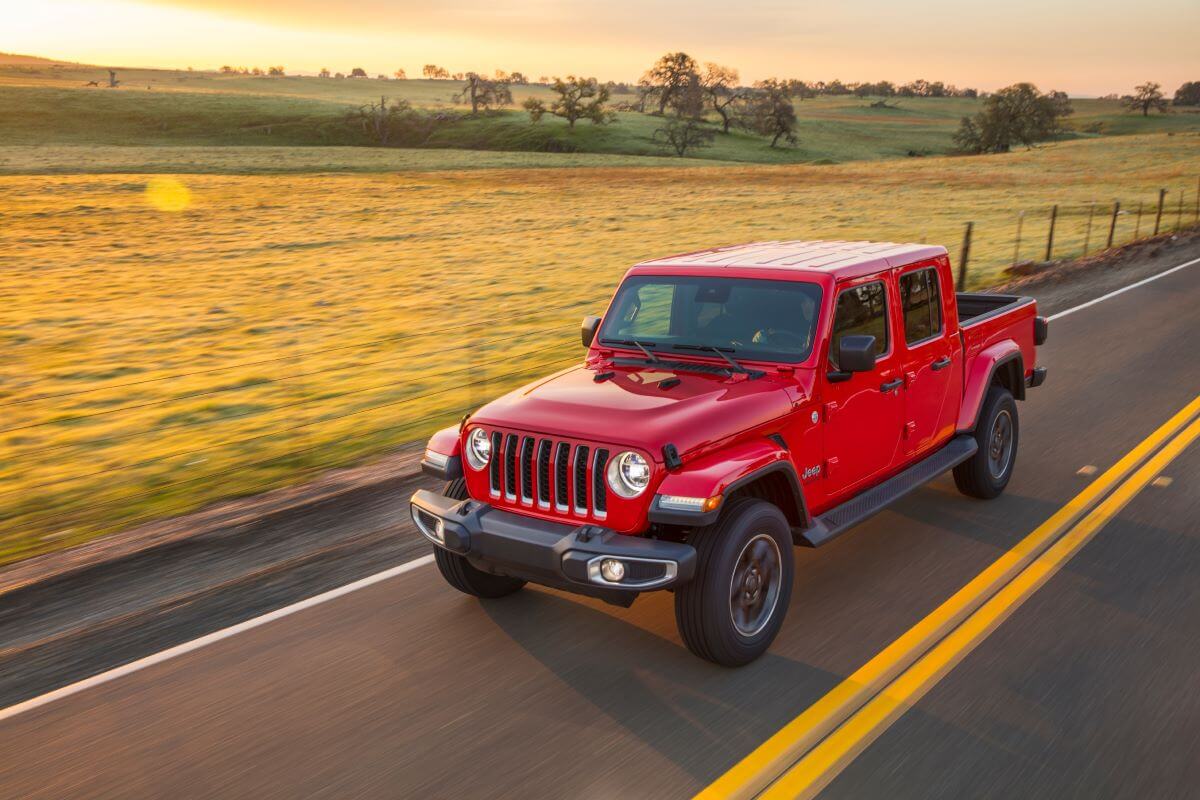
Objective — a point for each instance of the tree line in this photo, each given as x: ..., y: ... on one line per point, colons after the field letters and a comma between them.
x: 677, y: 75
x: 698, y: 102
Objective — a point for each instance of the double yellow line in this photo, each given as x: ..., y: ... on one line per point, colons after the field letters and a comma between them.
x: 809, y: 752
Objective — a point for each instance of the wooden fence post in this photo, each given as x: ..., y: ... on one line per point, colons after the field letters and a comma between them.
x: 1050, y: 238
x: 1112, y: 226
x: 962, y: 260
x: 1087, y: 237
x: 1017, y: 246
x: 1162, y: 196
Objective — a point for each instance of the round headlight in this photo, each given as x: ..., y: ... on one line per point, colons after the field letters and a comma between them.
x: 628, y: 474
x: 479, y: 448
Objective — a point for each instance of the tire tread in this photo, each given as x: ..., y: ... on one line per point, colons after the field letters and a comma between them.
x: 972, y: 476
x: 702, y: 632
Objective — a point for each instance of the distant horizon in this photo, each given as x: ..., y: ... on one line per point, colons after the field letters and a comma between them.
x: 1081, y: 48
x: 373, y: 75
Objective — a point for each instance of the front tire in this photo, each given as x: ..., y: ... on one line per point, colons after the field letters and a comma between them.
x: 459, y: 572
x: 731, y: 611
x: 985, y: 474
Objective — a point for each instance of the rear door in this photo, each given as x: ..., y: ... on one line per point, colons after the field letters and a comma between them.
x: 927, y: 351
x: 863, y: 414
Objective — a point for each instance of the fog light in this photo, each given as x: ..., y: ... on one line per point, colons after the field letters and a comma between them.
x: 432, y: 526
x: 612, y: 570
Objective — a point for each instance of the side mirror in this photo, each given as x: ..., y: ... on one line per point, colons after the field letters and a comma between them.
x: 856, y: 353
x: 588, y: 331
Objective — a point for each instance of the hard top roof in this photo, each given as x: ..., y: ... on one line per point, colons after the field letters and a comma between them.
x: 840, y: 259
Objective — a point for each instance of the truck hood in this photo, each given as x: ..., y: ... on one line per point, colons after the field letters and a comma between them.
x: 632, y: 409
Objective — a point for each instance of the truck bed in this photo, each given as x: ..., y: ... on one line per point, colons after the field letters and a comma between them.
x: 993, y: 319
x: 975, y: 307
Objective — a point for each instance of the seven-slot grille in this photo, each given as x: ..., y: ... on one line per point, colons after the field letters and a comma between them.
x: 550, y: 474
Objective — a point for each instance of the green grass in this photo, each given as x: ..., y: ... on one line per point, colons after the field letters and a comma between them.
x: 47, y: 105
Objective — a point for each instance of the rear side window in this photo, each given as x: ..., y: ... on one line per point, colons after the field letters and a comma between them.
x: 860, y: 311
x: 921, y: 300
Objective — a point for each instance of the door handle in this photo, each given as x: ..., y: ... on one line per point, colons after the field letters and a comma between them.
x: 887, y: 387
x: 941, y: 363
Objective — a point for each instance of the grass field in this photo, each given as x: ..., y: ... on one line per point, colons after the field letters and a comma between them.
x: 75, y: 159
x: 174, y: 339
x: 44, y: 105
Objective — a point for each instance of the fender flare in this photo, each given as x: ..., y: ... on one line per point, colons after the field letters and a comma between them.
x: 713, y: 475
x: 984, y: 368
x: 444, y: 443
x: 801, y: 504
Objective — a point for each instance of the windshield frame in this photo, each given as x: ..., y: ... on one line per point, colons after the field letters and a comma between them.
x: 607, y: 338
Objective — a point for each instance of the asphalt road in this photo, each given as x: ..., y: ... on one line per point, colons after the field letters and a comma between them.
x: 406, y: 689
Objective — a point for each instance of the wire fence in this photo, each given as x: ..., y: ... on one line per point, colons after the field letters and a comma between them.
x: 1059, y: 232
x: 325, y: 424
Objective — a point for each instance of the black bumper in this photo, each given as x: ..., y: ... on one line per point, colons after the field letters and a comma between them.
x: 551, y: 553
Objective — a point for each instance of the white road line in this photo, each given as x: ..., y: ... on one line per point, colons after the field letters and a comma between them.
x: 1123, y: 290
x: 203, y: 641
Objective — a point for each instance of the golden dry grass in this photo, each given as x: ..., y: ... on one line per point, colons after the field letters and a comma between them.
x: 278, y: 324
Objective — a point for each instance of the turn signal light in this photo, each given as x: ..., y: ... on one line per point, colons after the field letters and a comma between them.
x: 699, y: 505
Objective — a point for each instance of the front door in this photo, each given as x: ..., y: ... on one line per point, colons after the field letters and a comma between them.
x: 864, y: 413
x: 932, y: 371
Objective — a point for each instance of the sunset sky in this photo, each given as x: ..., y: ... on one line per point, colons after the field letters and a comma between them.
x: 1085, y: 48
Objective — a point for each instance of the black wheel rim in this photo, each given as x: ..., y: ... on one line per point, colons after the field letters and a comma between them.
x: 754, y: 588
x: 1000, y: 445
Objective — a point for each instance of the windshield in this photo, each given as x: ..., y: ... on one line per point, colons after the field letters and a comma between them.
x: 756, y: 319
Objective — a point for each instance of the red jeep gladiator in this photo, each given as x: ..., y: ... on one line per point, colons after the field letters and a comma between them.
x: 733, y: 403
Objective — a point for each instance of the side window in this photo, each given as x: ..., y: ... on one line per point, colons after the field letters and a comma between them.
x: 861, y: 310
x: 921, y: 301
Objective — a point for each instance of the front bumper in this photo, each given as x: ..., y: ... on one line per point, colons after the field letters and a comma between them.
x: 551, y: 553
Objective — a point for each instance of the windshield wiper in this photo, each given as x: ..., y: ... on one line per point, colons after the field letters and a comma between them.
x: 723, y: 352
x: 643, y: 346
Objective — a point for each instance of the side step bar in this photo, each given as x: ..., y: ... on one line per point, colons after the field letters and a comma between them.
x: 841, y: 518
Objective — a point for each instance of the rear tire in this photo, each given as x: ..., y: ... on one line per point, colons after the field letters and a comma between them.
x: 985, y: 474
x: 459, y: 572
x: 731, y: 611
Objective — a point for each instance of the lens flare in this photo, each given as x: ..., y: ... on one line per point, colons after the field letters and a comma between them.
x: 168, y: 194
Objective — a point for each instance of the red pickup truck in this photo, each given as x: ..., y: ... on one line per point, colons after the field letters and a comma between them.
x: 733, y: 403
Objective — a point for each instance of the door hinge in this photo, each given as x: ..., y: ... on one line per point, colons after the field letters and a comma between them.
x: 909, y: 429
